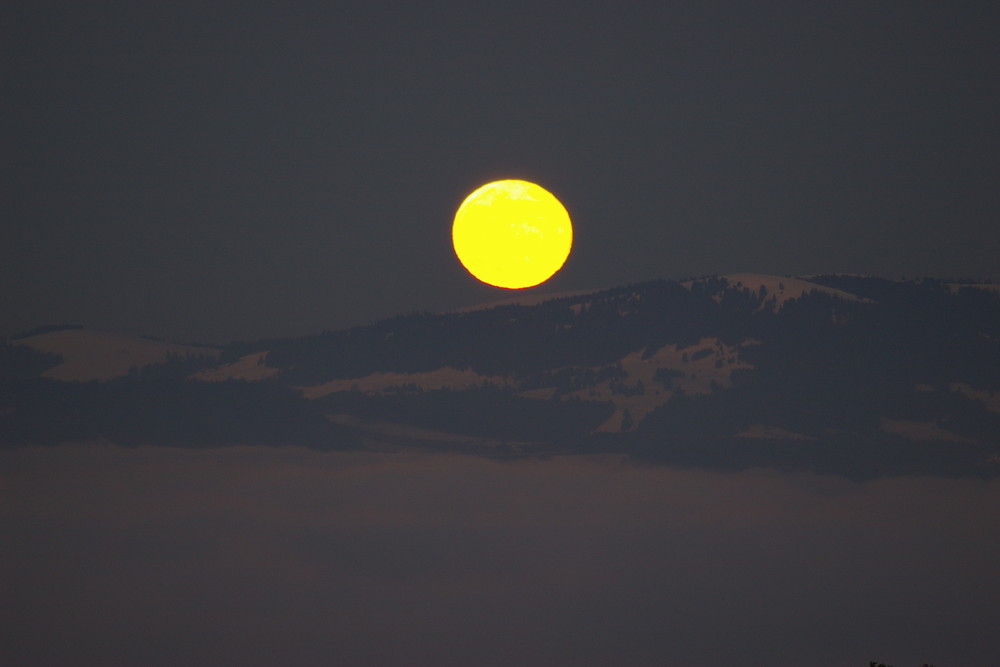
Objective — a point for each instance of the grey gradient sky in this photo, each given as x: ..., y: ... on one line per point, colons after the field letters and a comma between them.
x: 214, y: 171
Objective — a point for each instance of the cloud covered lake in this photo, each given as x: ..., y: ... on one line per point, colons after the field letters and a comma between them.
x: 262, y: 556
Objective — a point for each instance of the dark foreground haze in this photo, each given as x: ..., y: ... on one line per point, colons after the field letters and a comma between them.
x: 262, y: 556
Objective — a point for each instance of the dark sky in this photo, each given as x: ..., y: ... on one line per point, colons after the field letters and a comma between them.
x: 213, y: 171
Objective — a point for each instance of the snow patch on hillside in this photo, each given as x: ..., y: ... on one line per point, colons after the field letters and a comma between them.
x: 395, y: 431
x: 781, y: 288
x: 695, y: 369
x: 914, y: 430
x: 644, y: 382
x: 990, y: 399
x: 249, y: 367
x: 89, y: 354
x: 441, y: 378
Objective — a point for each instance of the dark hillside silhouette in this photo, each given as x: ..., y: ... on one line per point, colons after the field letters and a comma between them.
x: 853, y: 375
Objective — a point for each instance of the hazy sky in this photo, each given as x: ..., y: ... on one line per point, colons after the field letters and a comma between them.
x: 211, y: 171
x: 263, y: 556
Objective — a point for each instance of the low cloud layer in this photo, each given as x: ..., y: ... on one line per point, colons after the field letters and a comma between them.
x: 260, y: 556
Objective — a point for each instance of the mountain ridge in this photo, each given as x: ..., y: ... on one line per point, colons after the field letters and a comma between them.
x: 854, y: 375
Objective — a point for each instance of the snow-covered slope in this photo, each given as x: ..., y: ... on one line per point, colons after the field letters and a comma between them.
x: 782, y: 288
x: 89, y: 354
x: 440, y: 378
x: 249, y: 367
x: 635, y: 391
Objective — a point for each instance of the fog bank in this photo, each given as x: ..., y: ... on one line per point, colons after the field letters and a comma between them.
x: 261, y: 556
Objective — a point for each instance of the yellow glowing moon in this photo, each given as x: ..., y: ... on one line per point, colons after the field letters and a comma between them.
x: 512, y: 234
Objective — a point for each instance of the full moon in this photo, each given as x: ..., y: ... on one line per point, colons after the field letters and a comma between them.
x: 512, y: 234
